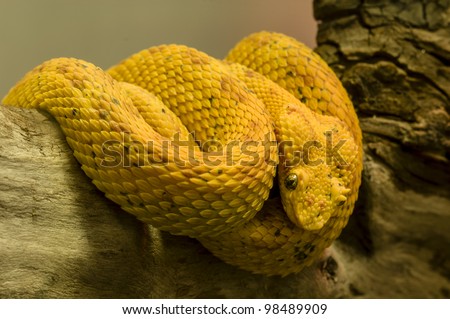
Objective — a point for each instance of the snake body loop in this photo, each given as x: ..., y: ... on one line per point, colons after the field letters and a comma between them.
x: 191, y: 144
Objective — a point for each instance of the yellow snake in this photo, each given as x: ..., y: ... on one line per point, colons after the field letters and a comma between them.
x: 192, y: 144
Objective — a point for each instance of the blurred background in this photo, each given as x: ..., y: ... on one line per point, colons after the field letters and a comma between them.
x: 106, y: 31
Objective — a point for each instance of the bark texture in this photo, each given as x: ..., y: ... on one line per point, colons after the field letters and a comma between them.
x: 61, y: 238
x: 394, y: 59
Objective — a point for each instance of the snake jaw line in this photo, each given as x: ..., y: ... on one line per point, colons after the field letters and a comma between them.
x: 308, y: 207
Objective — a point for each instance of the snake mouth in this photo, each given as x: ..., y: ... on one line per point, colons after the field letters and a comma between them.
x: 307, y: 218
x: 311, y: 212
x: 307, y: 211
x: 313, y: 219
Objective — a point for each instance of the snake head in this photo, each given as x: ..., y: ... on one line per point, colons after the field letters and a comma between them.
x: 310, y: 195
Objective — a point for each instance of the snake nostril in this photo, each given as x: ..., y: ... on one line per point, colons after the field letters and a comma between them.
x: 340, y: 200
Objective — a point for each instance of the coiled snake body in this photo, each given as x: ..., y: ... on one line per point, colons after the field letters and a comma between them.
x: 191, y: 144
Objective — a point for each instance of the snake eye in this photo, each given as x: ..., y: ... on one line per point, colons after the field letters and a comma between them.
x: 291, y: 181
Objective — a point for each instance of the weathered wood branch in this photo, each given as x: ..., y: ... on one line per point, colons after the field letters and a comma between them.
x: 61, y: 238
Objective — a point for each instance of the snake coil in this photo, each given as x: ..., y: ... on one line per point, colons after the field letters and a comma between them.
x: 193, y: 145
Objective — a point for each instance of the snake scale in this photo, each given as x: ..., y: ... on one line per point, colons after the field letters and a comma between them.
x: 193, y: 145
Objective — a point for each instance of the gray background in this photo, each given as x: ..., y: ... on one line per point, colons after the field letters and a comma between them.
x: 106, y: 31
